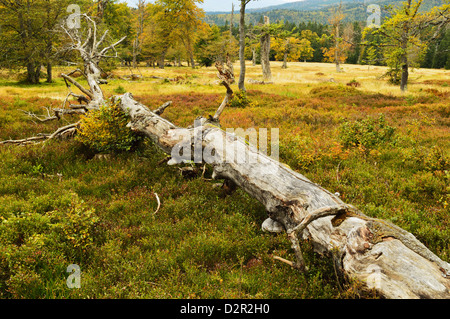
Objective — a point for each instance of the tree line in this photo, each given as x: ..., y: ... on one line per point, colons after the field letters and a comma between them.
x: 174, y: 32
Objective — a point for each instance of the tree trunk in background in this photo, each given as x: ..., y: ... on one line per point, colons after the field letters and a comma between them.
x: 33, y: 72
x: 101, y: 4
x: 134, y: 56
x: 49, y: 61
x: 241, y: 83
x: 231, y: 37
x: 337, y: 54
x: 265, y: 54
x: 254, y: 56
x: 162, y: 59
x: 284, y: 66
x: 405, y: 75
x: 190, y: 52
x: 49, y: 72
x: 404, y: 64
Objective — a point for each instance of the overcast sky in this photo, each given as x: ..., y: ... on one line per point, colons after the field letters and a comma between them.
x: 225, y: 5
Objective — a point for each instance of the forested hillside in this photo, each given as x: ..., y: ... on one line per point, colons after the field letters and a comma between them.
x: 311, y: 10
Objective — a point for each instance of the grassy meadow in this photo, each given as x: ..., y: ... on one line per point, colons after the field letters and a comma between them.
x: 384, y: 151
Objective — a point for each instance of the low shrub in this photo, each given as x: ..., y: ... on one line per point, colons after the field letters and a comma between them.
x: 334, y: 91
x: 367, y: 133
x: 436, y: 160
x: 120, y: 90
x: 105, y: 130
x: 37, y: 245
x: 240, y: 99
x: 354, y: 83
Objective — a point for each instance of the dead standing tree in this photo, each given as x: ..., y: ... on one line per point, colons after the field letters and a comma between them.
x: 265, y: 50
x: 91, y: 52
x: 380, y: 254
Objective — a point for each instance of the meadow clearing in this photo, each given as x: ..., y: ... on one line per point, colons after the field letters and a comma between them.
x: 385, y: 151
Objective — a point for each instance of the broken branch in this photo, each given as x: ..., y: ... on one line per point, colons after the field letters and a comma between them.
x: 227, y: 77
x: 162, y: 108
x: 78, y: 85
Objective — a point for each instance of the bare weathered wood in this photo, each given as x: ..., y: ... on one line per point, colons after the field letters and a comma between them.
x: 252, y: 81
x: 78, y: 85
x: 226, y: 77
x: 90, y: 50
x: 162, y: 108
x: 25, y: 141
x: 265, y: 53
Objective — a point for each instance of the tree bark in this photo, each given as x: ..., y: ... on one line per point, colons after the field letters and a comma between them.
x: 33, y: 72
x: 253, y: 56
x: 93, y: 75
x: 379, y: 254
x: 49, y: 72
x: 405, y: 76
x: 241, y: 83
x: 162, y: 59
x: 134, y: 57
x: 284, y: 66
x: 404, y: 65
x: 337, y: 53
x: 265, y: 54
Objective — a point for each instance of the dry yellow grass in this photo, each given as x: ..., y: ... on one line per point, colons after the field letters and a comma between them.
x: 293, y: 81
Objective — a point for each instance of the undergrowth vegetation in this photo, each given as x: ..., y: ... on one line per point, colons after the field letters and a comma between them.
x: 60, y: 204
x: 105, y: 130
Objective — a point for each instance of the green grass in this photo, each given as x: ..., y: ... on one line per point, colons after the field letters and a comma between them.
x: 59, y: 205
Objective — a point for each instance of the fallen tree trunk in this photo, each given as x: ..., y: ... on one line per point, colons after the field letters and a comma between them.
x: 376, y: 252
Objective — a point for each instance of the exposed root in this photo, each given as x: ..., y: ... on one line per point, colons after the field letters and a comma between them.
x: 159, y: 204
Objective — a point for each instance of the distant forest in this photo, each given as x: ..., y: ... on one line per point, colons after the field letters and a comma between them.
x: 437, y: 54
x: 296, y: 12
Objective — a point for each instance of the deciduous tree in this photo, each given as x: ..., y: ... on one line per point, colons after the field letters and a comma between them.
x: 181, y: 19
x: 407, y: 33
x: 28, y: 34
x: 337, y: 53
x: 287, y: 49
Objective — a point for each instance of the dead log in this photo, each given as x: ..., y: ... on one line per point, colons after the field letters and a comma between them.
x: 378, y: 253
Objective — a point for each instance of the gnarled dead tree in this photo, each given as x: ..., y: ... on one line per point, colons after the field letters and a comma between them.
x: 377, y: 252
x: 92, y: 50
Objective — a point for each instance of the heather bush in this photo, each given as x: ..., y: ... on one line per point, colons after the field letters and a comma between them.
x: 105, y: 130
x: 368, y: 133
